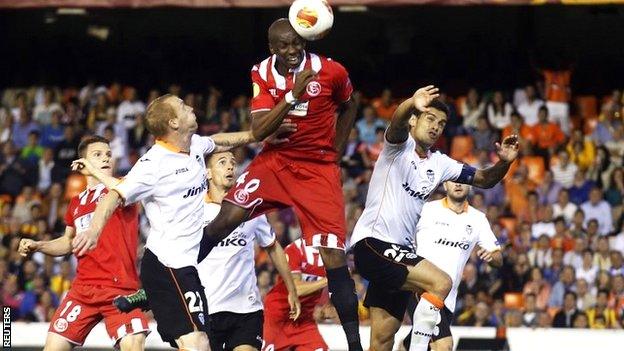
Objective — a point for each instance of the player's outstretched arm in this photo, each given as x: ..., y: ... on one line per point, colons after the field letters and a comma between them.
x: 344, y: 124
x: 398, y: 130
x: 277, y: 255
x: 57, y: 247
x: 507, y: 152
x: 85, y: 167
x: 87, y: 240
x: 228, y: 141
x: 265, y: 123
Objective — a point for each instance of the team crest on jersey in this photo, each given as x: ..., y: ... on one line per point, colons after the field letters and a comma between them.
x: 468, y: 229
x: 60, y: 325
x: 430, y: 175
x: 314, y: 88
x: 241, y: 196
x: 201, y: 318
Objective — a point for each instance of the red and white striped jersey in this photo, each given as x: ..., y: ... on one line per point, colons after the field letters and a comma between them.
x: 315, y: 115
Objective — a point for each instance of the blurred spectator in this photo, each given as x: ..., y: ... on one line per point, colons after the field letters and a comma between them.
x: 557, y: 93
x: 12, y: 171
x: 581, y: 320
x: 43, y: 112
x: 513, y: 319
x: 61, y: 282
x: 32, y: 151
x: 20, y: 103
x: 481, y: 316
x: 530, y: 107
x: 384, y: 105
x: 615, y: 146
x: 566, y: 282
x: 577, y: 228
x: 564, y: 171
x: 617, y: 242
x: 565, y: 316
x: 614, y: 193
x: 587, y: 271
x: 129, y: 108
x: 118, y: 149
x: 563, y: 206
x: 546, y: 135
x: 601, y: 309
x: 6, y: 127
x: 368, y: 125
x: 538, y: 288
x: 52, y: 133
x: 137, y: 136
x: 352, y: 159
x: 546, y: 226
x: 472, y: 108
x: 11, y: 295
x: 518, y: 127
x: 98, y: 113
x: 22, y: 128
x: 582, y: 150
x: 484, y: 137
x: 585, y: 297
x: 580, y: 188
x: 46, y: 163
x: 370, y: 152
x: 602, y: 258
x: 548, y: 190
x: 517, y: 188
x: 603, y: 132
x: 617, y: 266
x: 574, y: 257
x: 499, y: 111
x: 599, y: 209
x: 23, y: 204
x: 64, y: 153
x: 36, y: 288
x: 539, y: 255
x: 530, y: 312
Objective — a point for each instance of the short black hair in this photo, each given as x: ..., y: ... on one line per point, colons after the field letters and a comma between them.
x: 440, y: 106
x: 82, y: 147
x: 380, y: 130
x: 543, y: 108
x: 570, y: 292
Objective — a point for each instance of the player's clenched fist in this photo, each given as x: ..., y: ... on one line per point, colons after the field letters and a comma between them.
x: 301, y: 82
x: 27, y: 246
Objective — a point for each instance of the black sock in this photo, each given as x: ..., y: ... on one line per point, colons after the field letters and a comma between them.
x: 342, y: 294
x: 205, y: 246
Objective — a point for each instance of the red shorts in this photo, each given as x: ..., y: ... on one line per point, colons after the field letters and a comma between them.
x: 86, y: 305
x: 313, y: 189
x: 300, y: 336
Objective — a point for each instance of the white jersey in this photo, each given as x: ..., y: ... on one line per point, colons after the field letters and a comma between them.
x: 447, y: 238
x: 171, y: 186
x: 228, y: 273
x: 400, y: 185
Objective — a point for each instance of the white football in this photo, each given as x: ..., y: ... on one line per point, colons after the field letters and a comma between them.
x: 312, y: 19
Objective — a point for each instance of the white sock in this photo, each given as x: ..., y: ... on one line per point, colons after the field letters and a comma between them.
x: 426, y: 317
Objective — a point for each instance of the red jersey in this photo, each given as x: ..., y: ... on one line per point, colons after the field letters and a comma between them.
x: 112, y: 262
x: 314, y: 115
x: 304, y: 260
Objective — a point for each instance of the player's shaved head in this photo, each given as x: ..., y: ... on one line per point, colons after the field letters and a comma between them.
x: 280, y: 28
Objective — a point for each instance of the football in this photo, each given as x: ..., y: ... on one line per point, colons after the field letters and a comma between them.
x: 311, y: 19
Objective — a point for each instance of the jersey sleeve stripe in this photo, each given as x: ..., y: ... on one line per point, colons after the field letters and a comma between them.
x: 260, y: 110
x: 315, y: 62
x: 263, y: 69
x: 270, y: 245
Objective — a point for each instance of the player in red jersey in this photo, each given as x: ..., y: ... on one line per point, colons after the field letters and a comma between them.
x: 281, y: 332
x: 302, y: 173
x: 103, y: 273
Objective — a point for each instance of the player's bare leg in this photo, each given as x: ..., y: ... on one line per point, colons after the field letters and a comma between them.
x: 385, y: 327
x: 230, y: 216
x: 245, y: 348
x: 444, y: 344
x: 55, y: 342
x: 436, y: 284
x: 342, y: 294
x: 132, y: 342
x: 194, y: 341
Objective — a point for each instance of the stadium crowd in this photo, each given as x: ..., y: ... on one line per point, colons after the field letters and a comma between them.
x: 558, y: 214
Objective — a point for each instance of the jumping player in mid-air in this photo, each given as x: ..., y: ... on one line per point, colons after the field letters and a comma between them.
x: 302, y: 173
x: 405, y: 174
